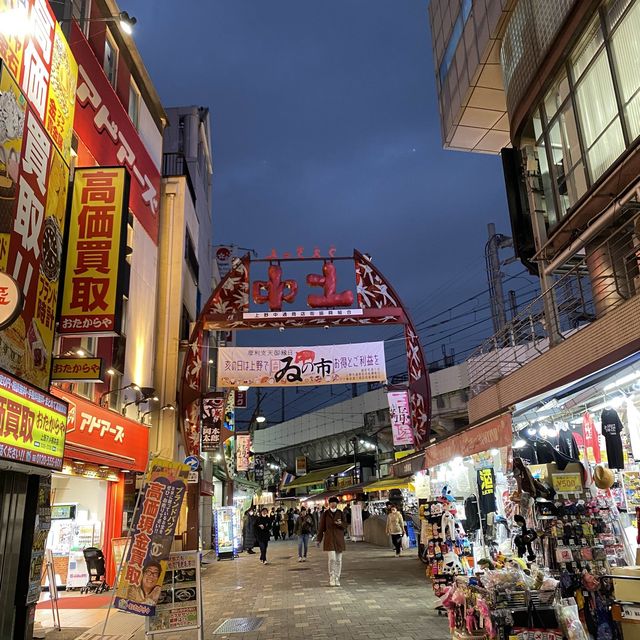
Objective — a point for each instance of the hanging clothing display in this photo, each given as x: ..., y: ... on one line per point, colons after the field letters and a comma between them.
x: 472, y: 522
x: 567, y: 444
x: 591, y: 442
x: 486, y: 492
x: 611, y: 430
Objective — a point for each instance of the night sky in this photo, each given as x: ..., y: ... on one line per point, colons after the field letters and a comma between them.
x: 326, y: 132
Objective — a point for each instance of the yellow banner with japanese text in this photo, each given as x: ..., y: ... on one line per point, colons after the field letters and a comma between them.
x: 33, y: 424
x: 76, y: 369
x: 92, y: 300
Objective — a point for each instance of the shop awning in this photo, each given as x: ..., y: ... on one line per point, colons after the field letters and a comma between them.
x: 389, y: 483
x: 318, y: 476
x: 409, y: 465
x: 490, y: 434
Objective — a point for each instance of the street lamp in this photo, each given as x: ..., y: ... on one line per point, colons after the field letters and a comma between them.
x: 260, y: 419
x: 166, y: 407
x: 125, y: 21
x: 108, y: 393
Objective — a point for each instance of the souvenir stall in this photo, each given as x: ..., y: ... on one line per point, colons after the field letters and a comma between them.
x: 569, y: 507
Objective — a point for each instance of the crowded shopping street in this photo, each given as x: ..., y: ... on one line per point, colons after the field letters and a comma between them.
x: 318, y: 319
x: 380, y: 597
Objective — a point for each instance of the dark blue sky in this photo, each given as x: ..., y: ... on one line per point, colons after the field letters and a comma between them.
x: 326, y: 131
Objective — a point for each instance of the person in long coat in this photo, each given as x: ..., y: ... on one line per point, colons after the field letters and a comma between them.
x: 249, y: 530
x: 331, y: 534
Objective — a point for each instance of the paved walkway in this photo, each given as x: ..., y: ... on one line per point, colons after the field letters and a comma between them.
x: 382, y: 597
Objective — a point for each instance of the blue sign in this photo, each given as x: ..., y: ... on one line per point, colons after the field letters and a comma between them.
x: 193, y: 462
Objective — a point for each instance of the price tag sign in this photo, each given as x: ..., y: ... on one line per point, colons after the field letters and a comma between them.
x: 567, y: 482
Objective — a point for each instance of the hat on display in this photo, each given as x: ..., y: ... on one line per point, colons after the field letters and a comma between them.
x: 603, y: 477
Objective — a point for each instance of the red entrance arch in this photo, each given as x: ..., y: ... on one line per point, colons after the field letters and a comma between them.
x: 228, y: 310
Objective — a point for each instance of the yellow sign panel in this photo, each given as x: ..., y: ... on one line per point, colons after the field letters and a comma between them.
x: 92, y: 301
x: 61, y: 101
x: 567, y: 482
x: 77, y: 369
x: 33, y: 424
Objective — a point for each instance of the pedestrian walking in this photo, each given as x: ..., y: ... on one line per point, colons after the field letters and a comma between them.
x: 395, y: 528
x: 346, y: 512
x: 331, y: 534
x: 249, y: 530
x: 275, y: 519
x: 284, y: 524
x: 303, y: 528
x: 290, y: 522
x: 263, y: 533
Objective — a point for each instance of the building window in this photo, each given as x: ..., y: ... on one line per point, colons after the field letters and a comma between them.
x: 110, y: 60
x: 134, y: 103
x: 181, y: 123
x: 625, y: 46
x: 185, y: 324
x: 454, y: 39
x: 81, y: 11
x: 591, y: 114
x: 191, y: 257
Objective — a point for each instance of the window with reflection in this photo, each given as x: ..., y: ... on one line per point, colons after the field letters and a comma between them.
x: 591, y: 113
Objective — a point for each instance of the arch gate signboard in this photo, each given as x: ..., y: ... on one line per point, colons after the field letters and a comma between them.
x: 278, y: 303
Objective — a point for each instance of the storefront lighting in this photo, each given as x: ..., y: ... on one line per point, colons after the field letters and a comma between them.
x: 552, y: 433
x: 544, y: 431
x: 81, y: 352
x: 630, y: 377
x: 218, y: 457
x: 243, y: 387
x: 531, y: 431
x: 127, y: 22
x: 210, y: 361
x: 103, y: 466
x: 520, y: 443
x: 457, y: 460
x: 167, y: 407
x: 260, y: 419
x: 494, y: 452
x: 111, y: 372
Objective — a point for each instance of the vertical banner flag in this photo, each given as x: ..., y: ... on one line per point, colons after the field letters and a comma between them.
x: 153, y: 528
x: 93, y: 291
x: 243, y: 451
x: 400, y: 413
x: 258, y: 469
x: 211, y: 423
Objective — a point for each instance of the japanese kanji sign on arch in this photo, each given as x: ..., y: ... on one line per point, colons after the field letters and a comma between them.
x: 228, y: 310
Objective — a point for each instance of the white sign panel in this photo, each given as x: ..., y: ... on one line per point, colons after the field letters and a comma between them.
x: 400, y: 413
x: 297, y: 366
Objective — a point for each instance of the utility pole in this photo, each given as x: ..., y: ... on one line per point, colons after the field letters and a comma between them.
x: 496, y: 242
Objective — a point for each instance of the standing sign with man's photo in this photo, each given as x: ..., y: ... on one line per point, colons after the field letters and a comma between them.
x: 153, y: 528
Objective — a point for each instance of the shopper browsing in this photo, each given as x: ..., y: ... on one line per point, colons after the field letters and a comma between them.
x: 395, y: 528
x: 303, y: 528
x: 249, y: 530
x: 331, y: 533
x: 263, y: 533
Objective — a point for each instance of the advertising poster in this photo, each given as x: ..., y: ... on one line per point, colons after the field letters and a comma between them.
x: 297, y: 366
x: 301, y: 465
x: 152, y: 531
x: 33, y: 196
x: 400, y: 414
x: 92, y: 299
x: 212, y: 417
x: 258, y: 469
x: 178, y: 606
x: 243, y: 451
x: 33, y: 424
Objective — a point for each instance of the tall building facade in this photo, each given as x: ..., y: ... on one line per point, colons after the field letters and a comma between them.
x: 185, y: 282
x: 565, y: 74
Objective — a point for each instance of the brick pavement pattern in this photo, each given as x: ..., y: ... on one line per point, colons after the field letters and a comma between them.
x: 381, y: 598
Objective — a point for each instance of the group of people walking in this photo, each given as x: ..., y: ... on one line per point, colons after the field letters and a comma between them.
x: 328, y: 526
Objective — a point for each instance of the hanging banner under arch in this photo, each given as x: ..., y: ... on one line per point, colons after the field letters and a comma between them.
x: 298, y: 366
x: 270, y: 294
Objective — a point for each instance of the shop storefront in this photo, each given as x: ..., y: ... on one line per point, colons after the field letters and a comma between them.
x: 94, y: 494
x: 545, y: 518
